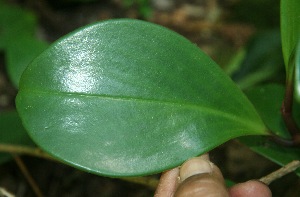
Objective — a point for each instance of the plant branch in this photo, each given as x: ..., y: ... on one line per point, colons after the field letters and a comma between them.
x: 28, y: 176
x: 282, y: 141
x: 36, y: 152
x: 5, y: 193
x: 287, y: 112
x: 23, y: 150
x: 290, y: 167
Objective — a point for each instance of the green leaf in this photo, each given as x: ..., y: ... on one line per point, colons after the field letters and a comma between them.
x: 262, y: 14
x: 267, y: 100
x: 290, y: 31
x: 20, y: 53
x: 15, y: 22
x: 128, y: 98
x: 262, y: 61
x: 229, y: 183
x: 235, y: 62
x: 17, y: 30
x: 274, y: 152
x: 12, y: 132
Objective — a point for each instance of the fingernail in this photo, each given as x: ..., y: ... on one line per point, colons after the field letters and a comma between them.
x: 195, y: 166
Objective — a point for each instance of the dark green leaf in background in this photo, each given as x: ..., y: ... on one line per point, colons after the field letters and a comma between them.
x: 274, y: 152
x: 12, y: 132
x: 262, y: 14
x: 263, y: 60
x: 290, y: 32
x: 18, y: 39
x: 20, y: 53
x: 267, y: 100
x: 15, y: 22
x: 127, y: 98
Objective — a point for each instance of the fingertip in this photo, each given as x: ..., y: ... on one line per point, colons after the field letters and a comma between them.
x: 200, y: 177
x: 168, y: 183
x: 201, y: 185
x: 195, y: 166
x: 250, y: 188
x: 199, y: 165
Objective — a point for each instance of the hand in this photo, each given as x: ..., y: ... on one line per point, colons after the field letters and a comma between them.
x: 198, y: 177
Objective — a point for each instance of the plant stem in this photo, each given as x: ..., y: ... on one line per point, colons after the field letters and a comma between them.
x: 287, y: 113
x: 282, y: 141
x: 15, y: 149
x: 290, y: 167
x: 36, y: 152
x: 28, y: 176
x: 5, y: 193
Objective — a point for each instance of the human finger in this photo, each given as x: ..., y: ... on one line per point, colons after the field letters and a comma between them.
x: 250, y: 189
x: 199, y: 177
x: 167, y: 183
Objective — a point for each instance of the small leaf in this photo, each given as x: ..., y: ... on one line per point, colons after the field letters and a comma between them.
x: 128, y: 98
x: 290, y: 31
x: 267, y: 100
x: 12, y: 132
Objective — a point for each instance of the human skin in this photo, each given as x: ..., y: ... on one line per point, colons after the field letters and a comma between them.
x: 198, y: 177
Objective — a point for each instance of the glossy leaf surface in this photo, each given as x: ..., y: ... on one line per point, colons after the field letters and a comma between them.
x: 12, y: 132
x: 267, y: 100
x: 290, y: 31
x: 127, y: 98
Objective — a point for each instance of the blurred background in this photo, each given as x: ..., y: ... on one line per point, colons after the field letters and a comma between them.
x: 242, y: 36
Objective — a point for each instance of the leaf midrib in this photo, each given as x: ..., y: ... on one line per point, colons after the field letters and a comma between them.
x: 167, y: 102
